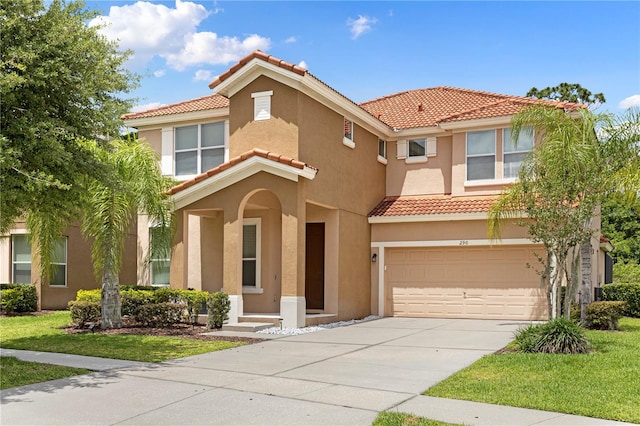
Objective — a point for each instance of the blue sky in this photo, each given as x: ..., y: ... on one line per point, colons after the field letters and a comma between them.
x: 370, y: 49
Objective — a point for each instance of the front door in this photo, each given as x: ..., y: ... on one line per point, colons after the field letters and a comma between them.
x: 314, y: 261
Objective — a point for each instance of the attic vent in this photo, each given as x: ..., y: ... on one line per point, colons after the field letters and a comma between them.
x: 262, y: 105
x: 420, y: 108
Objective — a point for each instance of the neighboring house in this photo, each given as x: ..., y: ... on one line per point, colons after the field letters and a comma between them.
x: 72, y: 263
x: 303, y: 205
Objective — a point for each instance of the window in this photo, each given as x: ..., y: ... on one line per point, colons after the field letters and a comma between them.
x: 59, y: 263
x: 160, y: 264
x: 382, y: 151
x: 417, y: 148
x: 251, y: 255
x: 512, y: 155
x: 347, y: 139
x: 198, y: 148
x: 262, y: 105
x: 481, y: 155
x: 20, y: 259
x: 382, y: 148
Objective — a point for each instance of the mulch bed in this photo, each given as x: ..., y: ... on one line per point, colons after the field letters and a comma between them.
x: 179, y: 330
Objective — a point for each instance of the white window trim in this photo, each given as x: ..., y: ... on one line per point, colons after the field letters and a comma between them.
x: 480, y: 182
x: 151, y: 260
x: 382, y: 158
x: 66, y: 262
x: 262, y: 105
x: 168, y: 145
x: 349, y: 142
x: 504, y: 154
x: 430, y: 150
x: 13, y: 262
x: 258, y: 287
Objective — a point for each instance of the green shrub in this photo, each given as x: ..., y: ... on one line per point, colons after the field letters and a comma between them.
x: 138, y: 287
x: 629, y: 293
x: 160, y: 314
x: 18, y: 298
x: 89, y: 295
x: 84, y: 311
x: 131, y: 300
x: 194, y: 299
x: 558, y: 336
x: 605, y: 315
x: 218, y: 306
x: 626, y: 272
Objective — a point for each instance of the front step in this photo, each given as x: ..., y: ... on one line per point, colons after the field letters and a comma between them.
x: 246, y: 326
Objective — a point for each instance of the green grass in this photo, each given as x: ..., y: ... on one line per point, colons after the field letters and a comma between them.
x: 603, y: 384
x: 391, y: 418
x: 14, y: 372
x: 44, y: 333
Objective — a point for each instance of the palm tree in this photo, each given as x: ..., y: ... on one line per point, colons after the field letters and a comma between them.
x: 134, y: 185
x: 560, y: 185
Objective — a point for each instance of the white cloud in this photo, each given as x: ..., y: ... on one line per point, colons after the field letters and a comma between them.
x: 144, y: 107
x: 303, y: 64
x: 631, y: 101
x: 203, y: 75
x: 150, y: 30
x: 360, y: 26
x: 159, y: 73
x: 208, y: 48
x: 290, y: 40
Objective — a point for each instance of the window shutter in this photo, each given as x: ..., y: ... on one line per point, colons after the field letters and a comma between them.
x: 401, y: 150
x: 431, y: 147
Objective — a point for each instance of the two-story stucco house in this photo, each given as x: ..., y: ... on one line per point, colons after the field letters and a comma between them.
x: 306, y: 206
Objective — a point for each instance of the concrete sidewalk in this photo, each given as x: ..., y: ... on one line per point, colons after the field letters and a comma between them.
x: 340, y: 376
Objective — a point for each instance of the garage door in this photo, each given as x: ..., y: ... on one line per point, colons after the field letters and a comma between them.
x: 464, y: 282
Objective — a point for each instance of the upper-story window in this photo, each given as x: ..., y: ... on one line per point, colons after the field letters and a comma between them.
x: 198, y: 148
x: 481, y: 155
x: 417, y: 150
x: 514, y: 155
x: 347, y: 138
x: 382, y: 151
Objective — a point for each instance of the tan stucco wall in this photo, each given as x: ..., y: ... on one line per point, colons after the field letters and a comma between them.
x: 430, y: 177
x: 439, y: 231
x: 79, y: 268
x: 153, y: 138
x: 279, y: 134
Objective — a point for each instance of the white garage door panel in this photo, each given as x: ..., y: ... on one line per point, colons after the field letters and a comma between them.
x: 466, y: 282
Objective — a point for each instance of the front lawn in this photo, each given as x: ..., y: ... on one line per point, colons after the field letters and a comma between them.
x: 45, y: 333
x: 603, y: 384
x: 14, y: 372
x: 392, y: 418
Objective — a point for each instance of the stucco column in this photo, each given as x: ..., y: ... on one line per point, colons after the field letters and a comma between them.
x: 292, y: 301
x: 178, y: 258
x: 232, y: 262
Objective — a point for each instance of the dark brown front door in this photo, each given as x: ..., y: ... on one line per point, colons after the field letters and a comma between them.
x: 314, y: 272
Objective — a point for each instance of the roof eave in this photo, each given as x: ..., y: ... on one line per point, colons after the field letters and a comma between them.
x: 177, y: 118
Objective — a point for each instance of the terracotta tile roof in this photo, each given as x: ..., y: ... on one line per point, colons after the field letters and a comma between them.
x: 204, y: 103
x: 425, y: 205
x: 257, y: 54
x: 256, y: 152
x: 428, y: 107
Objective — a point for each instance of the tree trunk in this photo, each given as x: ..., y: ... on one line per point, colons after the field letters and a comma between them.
x: 111, y: 313
x: 585, y: 269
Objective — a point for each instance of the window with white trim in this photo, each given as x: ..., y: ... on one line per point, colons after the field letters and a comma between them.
x: 198, y: 148
x: 382, y: 151
x: 512, y: 155
x: 251, y: 255
x: 347, y: 138
x: 417, y: 148
x: 481, y: 155
x: 59, y: 263
x: 20, y: 259
x: 159, y: 263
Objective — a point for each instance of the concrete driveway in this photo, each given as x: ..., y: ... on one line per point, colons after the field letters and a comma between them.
x: 344, y: 375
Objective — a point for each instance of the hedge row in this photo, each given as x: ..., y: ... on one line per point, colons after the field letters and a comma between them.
x: 154, y: 308
x: 629, y: 293
x: 18, y: 298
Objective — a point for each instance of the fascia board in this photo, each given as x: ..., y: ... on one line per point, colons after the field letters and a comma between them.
x: 252, y: 70
x: 480, y: 122
x: 235, y: 174
x: 453, y: 243
x: 428, y: 218
x: 417, y: 132
x: 164, y: 120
